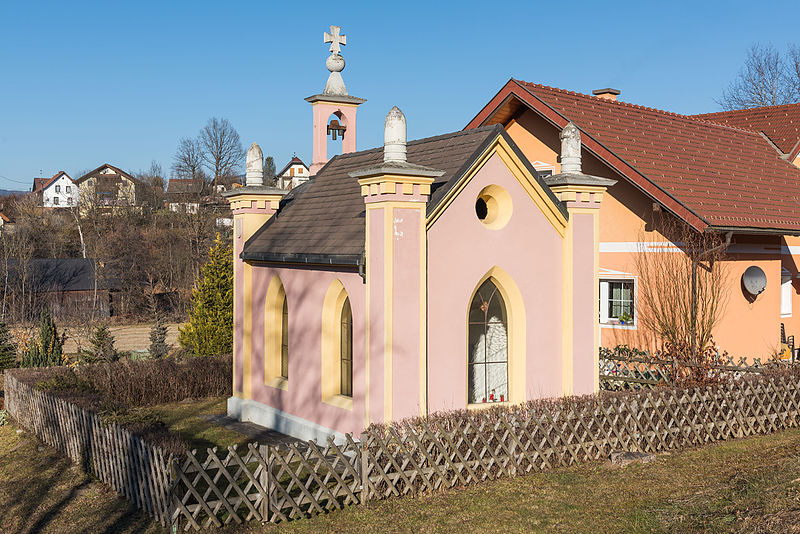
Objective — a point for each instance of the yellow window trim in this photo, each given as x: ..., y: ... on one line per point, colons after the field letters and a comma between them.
x: 273, y: 333
x: 331, y: 347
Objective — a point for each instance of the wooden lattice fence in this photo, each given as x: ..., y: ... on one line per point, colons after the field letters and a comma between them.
x: 633, y: 371
x: 270, y: 484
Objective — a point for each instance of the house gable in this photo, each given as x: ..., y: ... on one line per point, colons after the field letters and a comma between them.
x: 503, y: 147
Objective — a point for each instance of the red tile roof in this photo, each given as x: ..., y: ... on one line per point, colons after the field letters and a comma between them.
x: 40, y: 184
x: 707, y: 174
x: 780, y: 123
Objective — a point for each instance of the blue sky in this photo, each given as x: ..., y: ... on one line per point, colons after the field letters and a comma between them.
x: 87, y: 83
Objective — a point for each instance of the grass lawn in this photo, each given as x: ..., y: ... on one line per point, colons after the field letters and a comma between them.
x: 186, y: 420
x: 749, y: 485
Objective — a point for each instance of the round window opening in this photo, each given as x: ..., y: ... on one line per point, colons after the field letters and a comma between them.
x: 493, y: 207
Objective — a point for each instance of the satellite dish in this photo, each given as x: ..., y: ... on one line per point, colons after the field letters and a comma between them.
x: 754, y: 280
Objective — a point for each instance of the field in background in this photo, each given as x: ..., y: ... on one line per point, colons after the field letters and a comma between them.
x: 134, y: 337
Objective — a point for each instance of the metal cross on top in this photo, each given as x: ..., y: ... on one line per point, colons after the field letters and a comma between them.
x: 336, y: 40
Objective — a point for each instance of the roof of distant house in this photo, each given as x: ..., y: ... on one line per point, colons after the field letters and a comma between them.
x: 706, y: 173
x: 780, y: 123
x: 322, y: 220
x: 116, y: 174
x: 294, y: 161
x: 62, y: 274
x: 40, y: 184
x: 184, y: 186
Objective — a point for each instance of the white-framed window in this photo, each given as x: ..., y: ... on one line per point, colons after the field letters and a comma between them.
x: 55, y: 201
x: 786, y: 293
x: 618, y: 302
x: 69, y: 201
x: 68, y: 189
x: 58, y: 189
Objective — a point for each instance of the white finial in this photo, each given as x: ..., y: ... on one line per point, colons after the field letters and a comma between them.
x: 394, y: 136
x: 335, y: 62
x: 255, y: 166
x: 570, y: 149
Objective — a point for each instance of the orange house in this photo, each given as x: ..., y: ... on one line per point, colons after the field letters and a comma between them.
x: 733, y: 173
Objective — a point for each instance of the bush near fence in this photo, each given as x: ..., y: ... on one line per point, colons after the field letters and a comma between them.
x: 112, y: 389
x: 257, y: 482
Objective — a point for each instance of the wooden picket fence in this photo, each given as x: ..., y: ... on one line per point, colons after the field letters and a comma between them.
x: 272, y: 484
x: 131, y: 466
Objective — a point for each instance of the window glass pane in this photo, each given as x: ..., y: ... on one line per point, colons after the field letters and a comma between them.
x: 285, y: 341
x: 477, y: 348
x: 497, y: 380
x: 477, y: 384
x: 496, y: 342
x: 496, y: 312
x: 346, y: 369
x: 476, y: 312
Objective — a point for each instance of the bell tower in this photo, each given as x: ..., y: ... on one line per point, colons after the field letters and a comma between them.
x: 333, y: 101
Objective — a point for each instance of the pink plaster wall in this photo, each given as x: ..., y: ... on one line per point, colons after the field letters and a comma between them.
x: 584, y: 317
x: 406, y: 277
x: 460, y: 251
x: 375, y: 275
x: 305, y: 292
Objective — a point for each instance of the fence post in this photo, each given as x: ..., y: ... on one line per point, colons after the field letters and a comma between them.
x: 173, y: 519
x: 265, y: 481
x: 364, y: 470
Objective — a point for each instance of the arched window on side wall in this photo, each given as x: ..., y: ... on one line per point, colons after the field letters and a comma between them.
x: 337, y: 347
x: 346, y: 350
x: 285, y: 340
x: 276, y: 335
x: 487, y: 362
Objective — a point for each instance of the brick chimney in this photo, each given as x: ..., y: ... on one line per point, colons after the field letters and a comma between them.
x: 608, y: 93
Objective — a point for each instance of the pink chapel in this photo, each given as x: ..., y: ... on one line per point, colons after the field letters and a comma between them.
x: 437, y: 274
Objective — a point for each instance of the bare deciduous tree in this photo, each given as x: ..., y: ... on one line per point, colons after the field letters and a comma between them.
x: 682, y: 287
x: 223, y: 152
x: 768, y: 78
x: 188, y: 159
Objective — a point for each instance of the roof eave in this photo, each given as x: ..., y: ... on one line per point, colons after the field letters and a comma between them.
x: 339, y: 260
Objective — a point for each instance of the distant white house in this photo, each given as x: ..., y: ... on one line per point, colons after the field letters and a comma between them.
x: 56, y: 192
x: 295, y: 173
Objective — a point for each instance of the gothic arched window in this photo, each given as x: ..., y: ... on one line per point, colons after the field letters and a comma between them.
x: 285, y: 339
x: 346, y: 350
x: 487, y: 363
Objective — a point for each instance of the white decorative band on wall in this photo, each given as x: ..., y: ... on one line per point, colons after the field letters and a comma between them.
x: 280, y: 421
x: 632, y: 247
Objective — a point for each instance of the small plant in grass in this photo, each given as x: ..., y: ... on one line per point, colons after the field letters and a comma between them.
x: 102, y: 346
x: 158, y: 339
x: 8, y: 349
x: 3, y: 417
x: 210, y: 327
x: 47, y: 349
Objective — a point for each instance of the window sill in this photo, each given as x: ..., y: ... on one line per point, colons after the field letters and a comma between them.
x: 486, y: 405
x: 785, y: 315
x: 618, y: 326
x: 340, y: 401
x: 279, y: 383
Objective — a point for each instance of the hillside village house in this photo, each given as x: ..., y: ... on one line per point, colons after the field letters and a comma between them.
x: 293, y: 174
x: 184, y: 194
x: 431, y: 275
x: 109, y: 186
x: 729, y: 173
x: 58, y: 191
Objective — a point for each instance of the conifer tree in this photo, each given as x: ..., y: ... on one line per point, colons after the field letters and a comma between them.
x: 210, y: 327
x: 158, y: 338
x: 8, y: 349
x: 103, y: 349
x: 47, y: 350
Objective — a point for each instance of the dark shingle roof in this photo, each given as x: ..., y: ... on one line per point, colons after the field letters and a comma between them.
x: 322, y: 221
